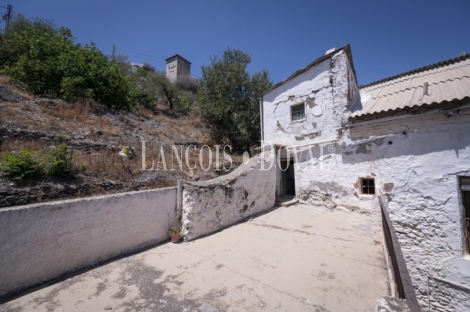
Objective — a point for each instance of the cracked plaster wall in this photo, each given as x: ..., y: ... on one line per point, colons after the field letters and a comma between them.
x: 44, y: 241
x: 212, y: 205
x: 326, y: 90
x: 416, y: 163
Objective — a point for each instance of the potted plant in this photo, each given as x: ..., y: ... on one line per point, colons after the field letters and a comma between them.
x: 175, y: 233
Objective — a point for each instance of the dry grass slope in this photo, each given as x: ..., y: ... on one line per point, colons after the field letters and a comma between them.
x: 94, y: 134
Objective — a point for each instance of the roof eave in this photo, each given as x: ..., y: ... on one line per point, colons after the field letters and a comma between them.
x: 412, y: 110
x: 166, y: 60
x: 346, y: 48
x: 418, y: 70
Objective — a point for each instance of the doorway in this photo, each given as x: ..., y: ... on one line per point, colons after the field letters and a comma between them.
x: 465, y: 188
x: 287, y: 178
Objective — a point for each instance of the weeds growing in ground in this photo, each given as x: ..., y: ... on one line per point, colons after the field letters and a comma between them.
x: 22, y: 165
x: 28, y: 163
x: 59, y: 160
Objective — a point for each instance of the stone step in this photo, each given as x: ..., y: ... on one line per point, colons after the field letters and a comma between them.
x: 286, y: 201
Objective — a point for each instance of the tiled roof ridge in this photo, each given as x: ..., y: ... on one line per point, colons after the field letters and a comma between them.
x: 409, y: 77
x: 420, y: 69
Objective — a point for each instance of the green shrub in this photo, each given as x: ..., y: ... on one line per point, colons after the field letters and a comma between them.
x: 138, y: 97
x: 82, y: 167
x: 59, y: 161
x: 22, y: 165
x: 49, y: 62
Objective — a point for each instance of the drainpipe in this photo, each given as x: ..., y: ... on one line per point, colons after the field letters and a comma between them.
x: 261, y: 117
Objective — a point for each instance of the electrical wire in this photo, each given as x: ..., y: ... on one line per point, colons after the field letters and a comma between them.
x: 21, y: 12
x: 16, y: 11
x: 146, y: 55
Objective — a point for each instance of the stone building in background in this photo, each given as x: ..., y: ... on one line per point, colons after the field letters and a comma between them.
x: 177, y: 68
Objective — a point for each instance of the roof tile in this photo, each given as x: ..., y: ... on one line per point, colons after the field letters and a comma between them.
x: 447, y: 81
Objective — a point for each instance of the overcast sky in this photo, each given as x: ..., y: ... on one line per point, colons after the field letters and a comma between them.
x: 386, y: 37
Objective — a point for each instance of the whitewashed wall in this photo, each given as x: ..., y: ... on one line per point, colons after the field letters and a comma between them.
x: 212, y: 205
x: 326, y: 93
x: 416, y: 163
x: 44, y: 241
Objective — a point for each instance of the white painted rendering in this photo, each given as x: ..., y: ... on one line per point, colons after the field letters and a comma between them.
x: 326, y: 93
x: 212, y: 205
x: 416, y: 163
x: 44, y: 241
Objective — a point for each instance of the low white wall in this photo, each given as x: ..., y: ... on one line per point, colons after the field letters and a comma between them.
x: 43, y: 241
x: 212, y: 205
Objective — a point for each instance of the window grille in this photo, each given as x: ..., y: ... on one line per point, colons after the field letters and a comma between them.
x: 298, y: 112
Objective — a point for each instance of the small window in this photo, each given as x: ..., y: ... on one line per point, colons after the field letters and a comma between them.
x: 297, y: 112
x: 368, y: 186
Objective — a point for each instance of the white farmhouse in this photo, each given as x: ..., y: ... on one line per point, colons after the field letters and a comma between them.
x: 405, y: 138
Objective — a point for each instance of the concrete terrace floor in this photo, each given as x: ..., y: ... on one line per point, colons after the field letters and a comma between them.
x: 299, y: 258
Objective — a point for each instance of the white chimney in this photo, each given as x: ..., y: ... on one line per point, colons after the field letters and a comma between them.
x: 425, y: 88
x: 330, y: 50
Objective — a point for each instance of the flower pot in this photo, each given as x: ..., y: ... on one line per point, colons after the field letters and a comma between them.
x: 175, y: 237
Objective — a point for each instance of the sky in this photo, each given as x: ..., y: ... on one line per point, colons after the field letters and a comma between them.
x: 386, y: 37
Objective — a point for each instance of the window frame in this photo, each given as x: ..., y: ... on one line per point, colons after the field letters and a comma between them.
x: 292, y: 107
x: 464, y: 187
x: 369, y: 187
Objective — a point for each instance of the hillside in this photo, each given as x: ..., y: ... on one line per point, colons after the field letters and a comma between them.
x: 94, y: 135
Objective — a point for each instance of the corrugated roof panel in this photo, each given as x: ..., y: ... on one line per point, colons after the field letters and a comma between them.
x: 447, y: 81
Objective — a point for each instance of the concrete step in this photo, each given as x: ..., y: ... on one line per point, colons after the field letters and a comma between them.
x: 286, y: 201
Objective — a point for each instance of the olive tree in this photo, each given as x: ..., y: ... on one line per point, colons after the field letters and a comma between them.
x: 229, y: 99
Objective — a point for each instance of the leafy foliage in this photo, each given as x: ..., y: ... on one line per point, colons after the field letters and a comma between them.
x: 48, y: 61
x: 22, y: 165
x: 59, y: 161
x: 229, y: 99
x: 9, y: 52
x: 21, y: 22
x: 122, y: 62
x: 187, y: 83
x: 157, y: 86
x: 174, y: 230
